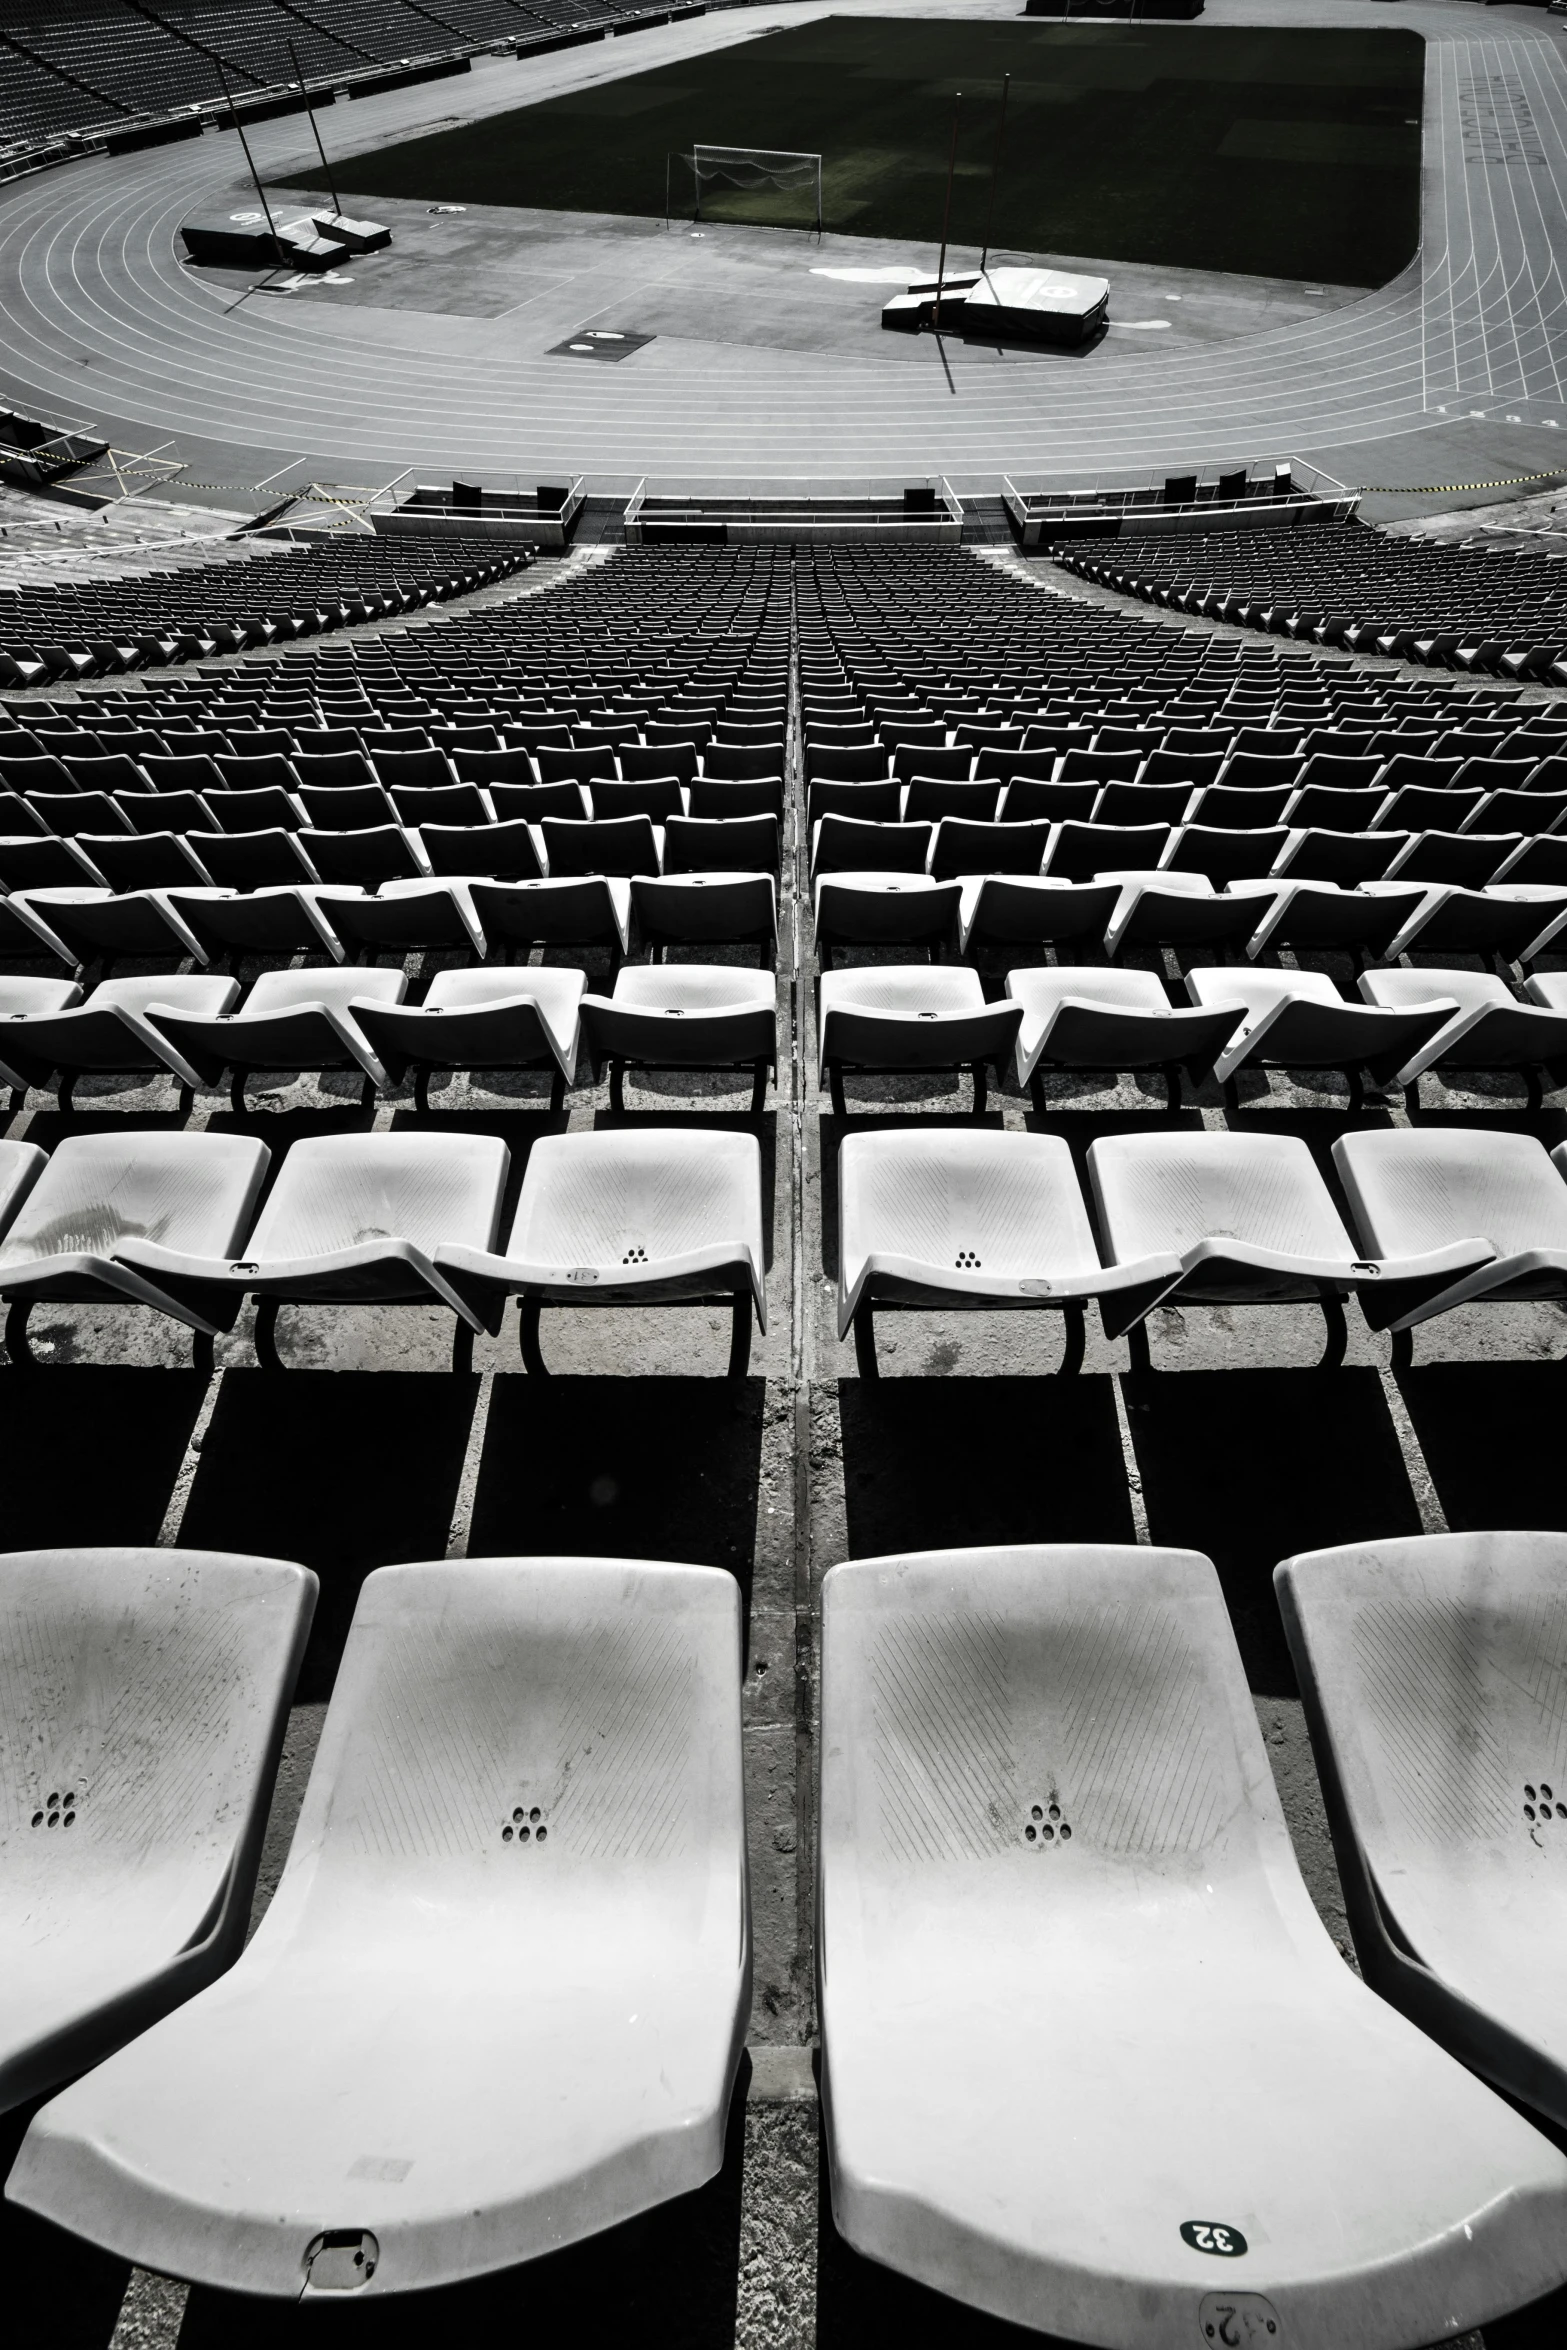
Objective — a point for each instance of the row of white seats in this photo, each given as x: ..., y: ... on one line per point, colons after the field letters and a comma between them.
x: 1152, y: 906
x: 915, y: 1017
x: 659, y: 1216
x: 1410, y: 1020
x: 475, y: 916
x: 1090, y: 2060
x: 1443, y: 1217
x: 193, y: 1025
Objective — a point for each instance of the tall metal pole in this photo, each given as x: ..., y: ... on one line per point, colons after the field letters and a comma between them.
x: 337, y: 201
x: 946, y: 217
x: 995, y: 172
x: 249, y: 158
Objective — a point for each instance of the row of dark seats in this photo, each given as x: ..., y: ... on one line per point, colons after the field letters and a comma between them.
x: 94, y: 69
x: 102, y: 628
x: 1448, y: 607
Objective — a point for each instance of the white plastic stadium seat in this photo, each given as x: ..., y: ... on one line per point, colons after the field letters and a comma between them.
x: 685, y: 1016
x: 353, y: 1219
x: 1166, y: 908
x: 289, y: 1020
x: 1248, y: 1219
x: 111, y: 1031
x: 1325, y: 915
x: 1435, y: 1675
x: 566, y: 909
x: 405, y: 913
x: 911, y: 1017
x: 961, y: 1219
x: 499, y: 1999
x: 883, y: 909
x: 113, y: 922
x: 1423, y: 1188
x: 145, y: 1697
x: 525, y: 1018
x: 102, y: 1194
x: 1490, y: 1028
x: 21, y: 1164
x: 1090, y: 2060
x: 1115, y: 1019
x: 1299, y: 1020
x: 20, y: 996
x: 1514, y: 919
x: 1004, y: 910
x: 282, y: 918
x: 642, y: 1217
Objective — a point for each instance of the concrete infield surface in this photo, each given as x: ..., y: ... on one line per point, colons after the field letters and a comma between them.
x: 1277, y: 152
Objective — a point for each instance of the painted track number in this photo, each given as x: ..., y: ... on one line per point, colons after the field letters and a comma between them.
x: 1212, y: 2235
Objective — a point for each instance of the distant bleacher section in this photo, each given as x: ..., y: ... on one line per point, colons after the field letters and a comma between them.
x: 77, y: 72
x: 1467, y: 607
x: 99, y: 628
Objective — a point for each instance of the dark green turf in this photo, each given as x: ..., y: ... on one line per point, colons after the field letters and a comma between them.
x: 1281, y: 153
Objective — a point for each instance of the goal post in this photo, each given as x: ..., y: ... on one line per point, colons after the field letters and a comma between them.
x: 745, y: 168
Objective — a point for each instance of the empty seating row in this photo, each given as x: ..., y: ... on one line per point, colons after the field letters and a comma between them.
x: 1076, y: 850
x: 1136, y: 904
x: 1411, y: 1020
x: 392, y: 905
x: 1158, y: 2102
x: 1396, y: 804
x: 660, y: 780
x: 1270, y: 761
x: 261, y: 802
x: 668, y: 1016
x: 655, y: 1216
x: 997, y: 1222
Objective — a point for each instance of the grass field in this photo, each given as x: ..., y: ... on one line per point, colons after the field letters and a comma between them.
x: 1289, y: 154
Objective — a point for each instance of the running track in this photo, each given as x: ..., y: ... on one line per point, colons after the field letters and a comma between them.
x: 98, y: 319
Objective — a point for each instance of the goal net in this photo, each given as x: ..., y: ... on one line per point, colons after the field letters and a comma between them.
x: 706, y: 171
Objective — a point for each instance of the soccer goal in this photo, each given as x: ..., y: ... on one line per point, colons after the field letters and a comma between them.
x: 746, y: 168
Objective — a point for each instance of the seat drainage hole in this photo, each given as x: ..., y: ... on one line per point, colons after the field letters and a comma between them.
x: 967, y: 1261
x: 58, y: 1808
x: 526, y: 1826
x: 1538, y: 1802
x: 635, y: 1256
x: 1045, y: 1825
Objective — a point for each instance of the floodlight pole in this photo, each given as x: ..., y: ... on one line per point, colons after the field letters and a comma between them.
x: 995, y: 172
x: 315, y: 128
x: 946, y: 217
x: 249, y: 158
